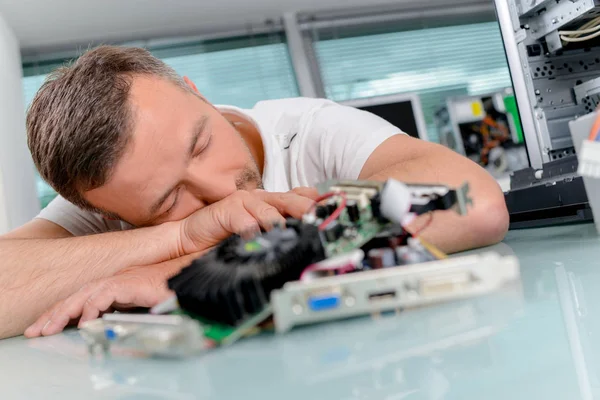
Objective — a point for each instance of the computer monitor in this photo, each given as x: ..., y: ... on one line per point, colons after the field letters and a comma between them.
x: 401, y: 110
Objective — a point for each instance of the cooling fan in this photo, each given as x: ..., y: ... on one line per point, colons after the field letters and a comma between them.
x: 235, y: 280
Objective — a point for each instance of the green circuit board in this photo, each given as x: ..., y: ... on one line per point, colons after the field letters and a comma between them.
x: 360, y: 232
x: 224, y: 334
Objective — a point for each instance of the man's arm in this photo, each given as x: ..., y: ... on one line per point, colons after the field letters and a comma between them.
x: 143, y: 286
x: 415, y: 161
x: 41, y: 265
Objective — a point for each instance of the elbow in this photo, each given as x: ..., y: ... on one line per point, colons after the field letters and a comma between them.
x: 491, y: 221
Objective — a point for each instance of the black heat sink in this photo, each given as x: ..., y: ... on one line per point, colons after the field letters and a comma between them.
x: 235, y: 279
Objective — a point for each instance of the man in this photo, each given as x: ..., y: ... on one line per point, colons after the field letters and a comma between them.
x: 128, y: 143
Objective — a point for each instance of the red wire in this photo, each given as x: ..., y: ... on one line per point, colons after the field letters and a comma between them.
x: 595, y: 129
x: 334, y: 215
x: 324, y: 197
x: 341, y: 269
x: 318, y: 200
x: 422, y: 228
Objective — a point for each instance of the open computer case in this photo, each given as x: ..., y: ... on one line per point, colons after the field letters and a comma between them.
x: 553, y: 52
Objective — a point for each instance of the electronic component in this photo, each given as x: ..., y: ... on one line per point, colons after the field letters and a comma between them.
x: 331, y: 206
x: 341, y: 264
x: 156, y: 335
x: 228, y: 290
x: 324, y: 301
x: 395, y: 201
x: 321, y: 212
x: 553, y: 54
x: 353, y: 211
x: 333, y: 232
x: 233, y: 282
x: 381, y: 258
x: 375, y: 259
x: 392, y: 288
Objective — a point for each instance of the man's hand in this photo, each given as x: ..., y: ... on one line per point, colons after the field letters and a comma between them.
x: 243, y: 213
x: 133, y: 287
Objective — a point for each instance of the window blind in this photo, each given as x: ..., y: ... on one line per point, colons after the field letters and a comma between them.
x: 433, y: 62
x: 237, y: 71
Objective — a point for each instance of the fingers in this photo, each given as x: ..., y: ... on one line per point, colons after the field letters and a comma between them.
x: 58, y: 317
x: 309, y: 192
x: 35, y: 329
x: 97, y: 304
x: 48, y: 319
x: 289, y: 203
x: 127, y: 293
x: 136, y: 287
x: 242, y: 213
x: 264, y: 213
x: 72, y: 308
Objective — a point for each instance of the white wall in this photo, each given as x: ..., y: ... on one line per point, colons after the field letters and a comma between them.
x: 18, y: 197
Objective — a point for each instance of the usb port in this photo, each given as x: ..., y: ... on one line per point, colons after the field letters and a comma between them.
x: 380, y: 296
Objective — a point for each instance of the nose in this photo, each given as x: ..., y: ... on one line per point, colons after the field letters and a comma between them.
x: 209, y: 187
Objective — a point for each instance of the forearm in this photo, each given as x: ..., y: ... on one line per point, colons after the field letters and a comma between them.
x: 486, y: 222
x: 36, y: 273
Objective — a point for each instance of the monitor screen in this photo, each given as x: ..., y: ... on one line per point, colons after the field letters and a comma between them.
x: 399, y: 114
x: 401, y: 110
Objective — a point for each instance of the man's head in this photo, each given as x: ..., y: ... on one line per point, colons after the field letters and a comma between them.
x: 121, y: 133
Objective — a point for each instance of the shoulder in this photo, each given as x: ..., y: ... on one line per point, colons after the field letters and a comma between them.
x: 77, y: 221
x: 293, y: 105
x: 282, y: 113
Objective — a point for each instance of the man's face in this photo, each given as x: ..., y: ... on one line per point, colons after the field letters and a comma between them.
x: 183, y: 155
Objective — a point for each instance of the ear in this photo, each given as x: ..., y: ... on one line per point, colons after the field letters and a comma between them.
x: 191, y: 84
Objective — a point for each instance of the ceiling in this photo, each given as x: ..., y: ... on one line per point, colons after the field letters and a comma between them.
x: 42, y: 25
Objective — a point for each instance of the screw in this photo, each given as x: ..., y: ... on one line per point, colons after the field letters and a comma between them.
x: 537, y: 91
x: 554, y: 21
x: 526, y: 26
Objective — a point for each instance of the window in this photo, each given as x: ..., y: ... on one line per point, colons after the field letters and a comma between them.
x: 237, y: 71
x: 31, y: 84
x: 434, y: 62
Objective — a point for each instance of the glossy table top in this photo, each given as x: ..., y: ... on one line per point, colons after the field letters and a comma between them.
x: 539, y: 339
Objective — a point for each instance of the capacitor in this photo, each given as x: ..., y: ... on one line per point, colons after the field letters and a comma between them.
x: 389, y: 258
x: 321, y: 212
x: 394, y: 241
x: 353, y: 211
x: 381, y: 258
x: 376, y: 208
x: 375, y: 259
x: 331, y: 206
x: 407, y: 255
x: 333, y: 232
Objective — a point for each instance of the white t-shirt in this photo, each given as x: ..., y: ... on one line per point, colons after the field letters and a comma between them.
x: 306, y: 141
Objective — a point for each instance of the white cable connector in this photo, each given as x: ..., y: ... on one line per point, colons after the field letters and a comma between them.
x: 589, y: 159
x: 395, y: 201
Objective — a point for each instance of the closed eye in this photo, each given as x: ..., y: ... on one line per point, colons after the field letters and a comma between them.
x: 202, y: 148
x: 170, y: 209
